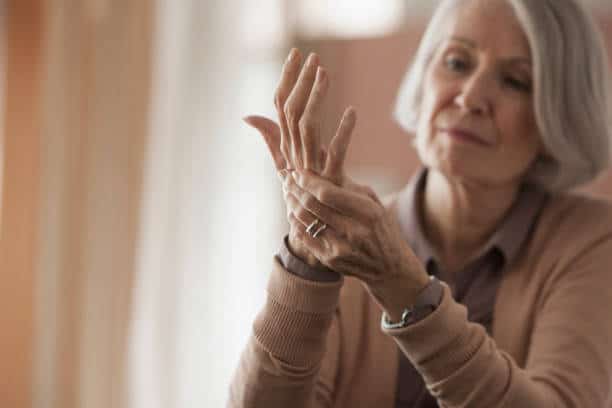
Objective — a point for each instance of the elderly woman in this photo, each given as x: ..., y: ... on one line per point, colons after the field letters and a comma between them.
x: 483, y: 283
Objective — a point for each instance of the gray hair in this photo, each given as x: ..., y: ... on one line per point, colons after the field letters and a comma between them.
x: 572, y: 89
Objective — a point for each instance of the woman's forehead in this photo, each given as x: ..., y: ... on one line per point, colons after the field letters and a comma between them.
x: 488, y: 24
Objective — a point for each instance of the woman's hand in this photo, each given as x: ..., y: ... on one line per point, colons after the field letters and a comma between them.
x: 362, y: 239
x: 295, y: 142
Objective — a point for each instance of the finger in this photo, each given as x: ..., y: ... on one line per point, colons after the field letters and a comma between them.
x: 308, y: 221
x: 346, y: 202
x: 271, y: 134
x: 336, y: 253
x: 338, y: 146
x: 307, y: 208
x: 308, y: 213
x: 322, y: 155
x: 310, y: 123
x: 333, y: 251
x: 317, y: 246
x: 289, y: 75
x: 295, y: 105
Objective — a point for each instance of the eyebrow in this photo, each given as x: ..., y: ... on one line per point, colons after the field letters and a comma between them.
x: 472, y: 44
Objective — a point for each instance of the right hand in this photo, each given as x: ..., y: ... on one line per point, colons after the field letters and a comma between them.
x: 295, y: 143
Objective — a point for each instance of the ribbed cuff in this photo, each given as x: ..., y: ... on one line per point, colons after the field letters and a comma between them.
x: 302, y: 294
x: 298, y: 267
x: 293, y: 325
x: 441, y: 342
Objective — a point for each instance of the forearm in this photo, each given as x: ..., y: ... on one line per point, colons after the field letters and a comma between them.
x: 280, y: 365
x: 462, y: 366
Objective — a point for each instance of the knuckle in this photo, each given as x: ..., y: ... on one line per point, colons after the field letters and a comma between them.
x: 323, y: 195
x: 311, y: 202
x: 284, y: 147
x: 369, y: 191
x: 306, y: 126
x: 279, y: 100
x: 292, y: 216
x: 298, y: 228
x: 301, y: 213
x: 290, y: 112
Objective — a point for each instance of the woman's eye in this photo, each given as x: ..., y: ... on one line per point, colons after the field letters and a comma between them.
x: 517, y: 84
x: 456, y: 64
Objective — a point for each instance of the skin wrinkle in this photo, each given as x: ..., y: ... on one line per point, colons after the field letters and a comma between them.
x: 479, y: 85
x: 474, y: 94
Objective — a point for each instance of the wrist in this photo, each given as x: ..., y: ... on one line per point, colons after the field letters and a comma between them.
x: 426, y: 302
x: 298, y: 250
x: 399, y: 294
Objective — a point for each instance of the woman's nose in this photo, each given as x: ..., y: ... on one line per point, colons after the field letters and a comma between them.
x: 475, y: 95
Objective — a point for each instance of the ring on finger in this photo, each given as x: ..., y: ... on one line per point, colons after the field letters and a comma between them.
x: 316, y: 226
x: 312, y: 226
x: 319, y: 230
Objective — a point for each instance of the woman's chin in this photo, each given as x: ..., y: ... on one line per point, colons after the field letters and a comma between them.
x: 458, y: 167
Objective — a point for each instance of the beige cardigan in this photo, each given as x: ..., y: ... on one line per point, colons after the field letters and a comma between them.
x: 320, y: 344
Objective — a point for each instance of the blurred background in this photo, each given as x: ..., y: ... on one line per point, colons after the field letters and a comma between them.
x: 139, y: 215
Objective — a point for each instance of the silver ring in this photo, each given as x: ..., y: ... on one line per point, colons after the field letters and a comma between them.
x: 312, y: 226
x: 318, y: 231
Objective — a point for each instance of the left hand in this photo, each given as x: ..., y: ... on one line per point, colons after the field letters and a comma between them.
x: 361, y: 240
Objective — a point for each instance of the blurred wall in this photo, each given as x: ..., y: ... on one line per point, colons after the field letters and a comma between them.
x: 20, y: 196
x: 75, y: 125
x: 366, y: 73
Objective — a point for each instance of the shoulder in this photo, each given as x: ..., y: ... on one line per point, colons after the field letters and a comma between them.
x: 572, y: 227
x: 576, y: 217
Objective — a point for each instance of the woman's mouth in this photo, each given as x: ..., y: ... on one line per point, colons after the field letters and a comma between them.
x: 462, y: 135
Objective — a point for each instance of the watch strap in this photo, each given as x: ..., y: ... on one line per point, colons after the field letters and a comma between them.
x: 425, y: 303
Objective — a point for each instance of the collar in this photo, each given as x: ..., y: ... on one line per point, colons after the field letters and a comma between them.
x: 508, y: 237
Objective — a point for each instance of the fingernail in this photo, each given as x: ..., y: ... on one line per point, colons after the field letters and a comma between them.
x: 312, y: 59
x: 292, y: 55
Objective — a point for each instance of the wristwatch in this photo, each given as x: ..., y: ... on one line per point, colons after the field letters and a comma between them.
x: 425, y: 303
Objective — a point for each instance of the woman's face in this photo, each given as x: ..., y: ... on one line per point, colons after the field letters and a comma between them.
x: 477, y: 122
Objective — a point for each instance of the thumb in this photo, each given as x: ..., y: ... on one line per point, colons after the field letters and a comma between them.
x: 271, y: 134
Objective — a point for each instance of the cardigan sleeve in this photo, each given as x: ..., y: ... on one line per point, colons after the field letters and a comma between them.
x: 296, y: 266
x: 569, y: 358
x: 281, y: 364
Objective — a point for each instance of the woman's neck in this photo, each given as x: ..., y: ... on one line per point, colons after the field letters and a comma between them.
x: 459, y: 217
